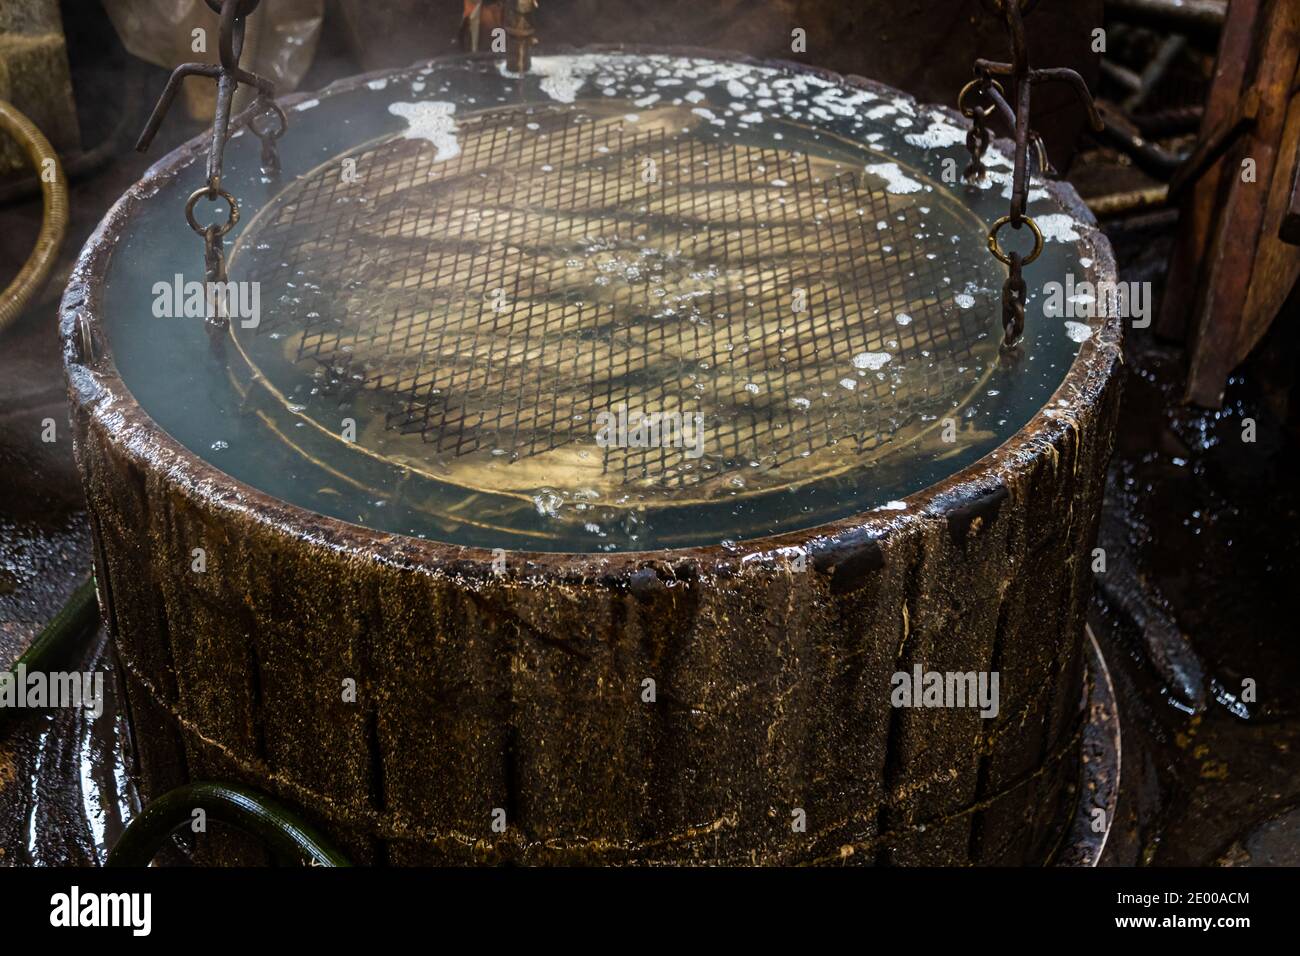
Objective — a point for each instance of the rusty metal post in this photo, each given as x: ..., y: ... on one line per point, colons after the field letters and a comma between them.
x: 520, y: 35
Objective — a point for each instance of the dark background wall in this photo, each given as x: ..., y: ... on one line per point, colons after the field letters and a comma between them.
x: 923, y: 46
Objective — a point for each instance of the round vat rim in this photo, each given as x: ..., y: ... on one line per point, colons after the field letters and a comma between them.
x: 97, y: 391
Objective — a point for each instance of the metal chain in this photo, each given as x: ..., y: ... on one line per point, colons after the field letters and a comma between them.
x: 214, y: 270
x: 977, y: 137
x: 265, y: 107
x: 228, y: 74
x: 1012, y: 12
x: 1013, y: 302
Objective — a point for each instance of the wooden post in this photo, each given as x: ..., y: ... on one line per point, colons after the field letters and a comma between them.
x: 1231, y: 272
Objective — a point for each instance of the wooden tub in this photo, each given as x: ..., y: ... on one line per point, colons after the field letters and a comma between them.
x: 428, y: 703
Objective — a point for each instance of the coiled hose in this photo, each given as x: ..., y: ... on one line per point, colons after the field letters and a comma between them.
x: 31, y: 278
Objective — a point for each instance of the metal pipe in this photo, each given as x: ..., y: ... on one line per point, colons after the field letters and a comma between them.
x: 1125, y: 203
x: 1205, y: 14
x: 1146, y: 155
x: 1175, y: 121
x: 520, y: 36
x: 31, y: 277
x: 1169, y: 51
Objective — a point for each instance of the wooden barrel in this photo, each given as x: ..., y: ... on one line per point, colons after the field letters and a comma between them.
x: 765, y: 701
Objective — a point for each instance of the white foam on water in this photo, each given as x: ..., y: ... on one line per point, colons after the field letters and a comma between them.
x: 1057, y: 227
x: 939, y: 134
x: 1078, y: 331
x: 562, y: 76
x: 432, y: 121
x: 871, y: 360
x: 896, y: 181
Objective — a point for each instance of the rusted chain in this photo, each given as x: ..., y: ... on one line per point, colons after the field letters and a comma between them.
x: 1023, y: 78
x: 228, y: 74
x: 977, y: 138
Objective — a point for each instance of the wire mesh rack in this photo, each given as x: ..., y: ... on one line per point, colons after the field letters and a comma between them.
x: 494, y: 295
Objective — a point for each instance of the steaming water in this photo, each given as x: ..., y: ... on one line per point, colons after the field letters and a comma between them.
x: 872, y: 394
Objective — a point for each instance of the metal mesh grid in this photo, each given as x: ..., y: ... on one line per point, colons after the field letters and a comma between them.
x: 563, y: 264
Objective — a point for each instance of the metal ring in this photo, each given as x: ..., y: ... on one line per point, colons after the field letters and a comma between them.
x: 212, y: 193
x: 272, y: 108
x: 1001, y: 256
x: 965, y: 90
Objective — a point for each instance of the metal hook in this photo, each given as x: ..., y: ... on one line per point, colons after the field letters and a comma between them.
x: 1012, y: 14
x: 228, y: 75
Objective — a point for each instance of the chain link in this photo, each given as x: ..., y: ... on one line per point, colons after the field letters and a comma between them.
x: 977, y: 137
x: 214, y: 270
x: 262, y: 108
x: 1014, y: 290
x: 228, y: 75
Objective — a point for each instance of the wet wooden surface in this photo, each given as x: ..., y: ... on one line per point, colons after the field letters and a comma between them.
x: 1234, y: 271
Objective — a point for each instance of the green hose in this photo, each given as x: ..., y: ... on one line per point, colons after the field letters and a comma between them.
x: 58, y: 641
x: 31, y: 277
x: 78, y: 616
x: 288, y: 836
